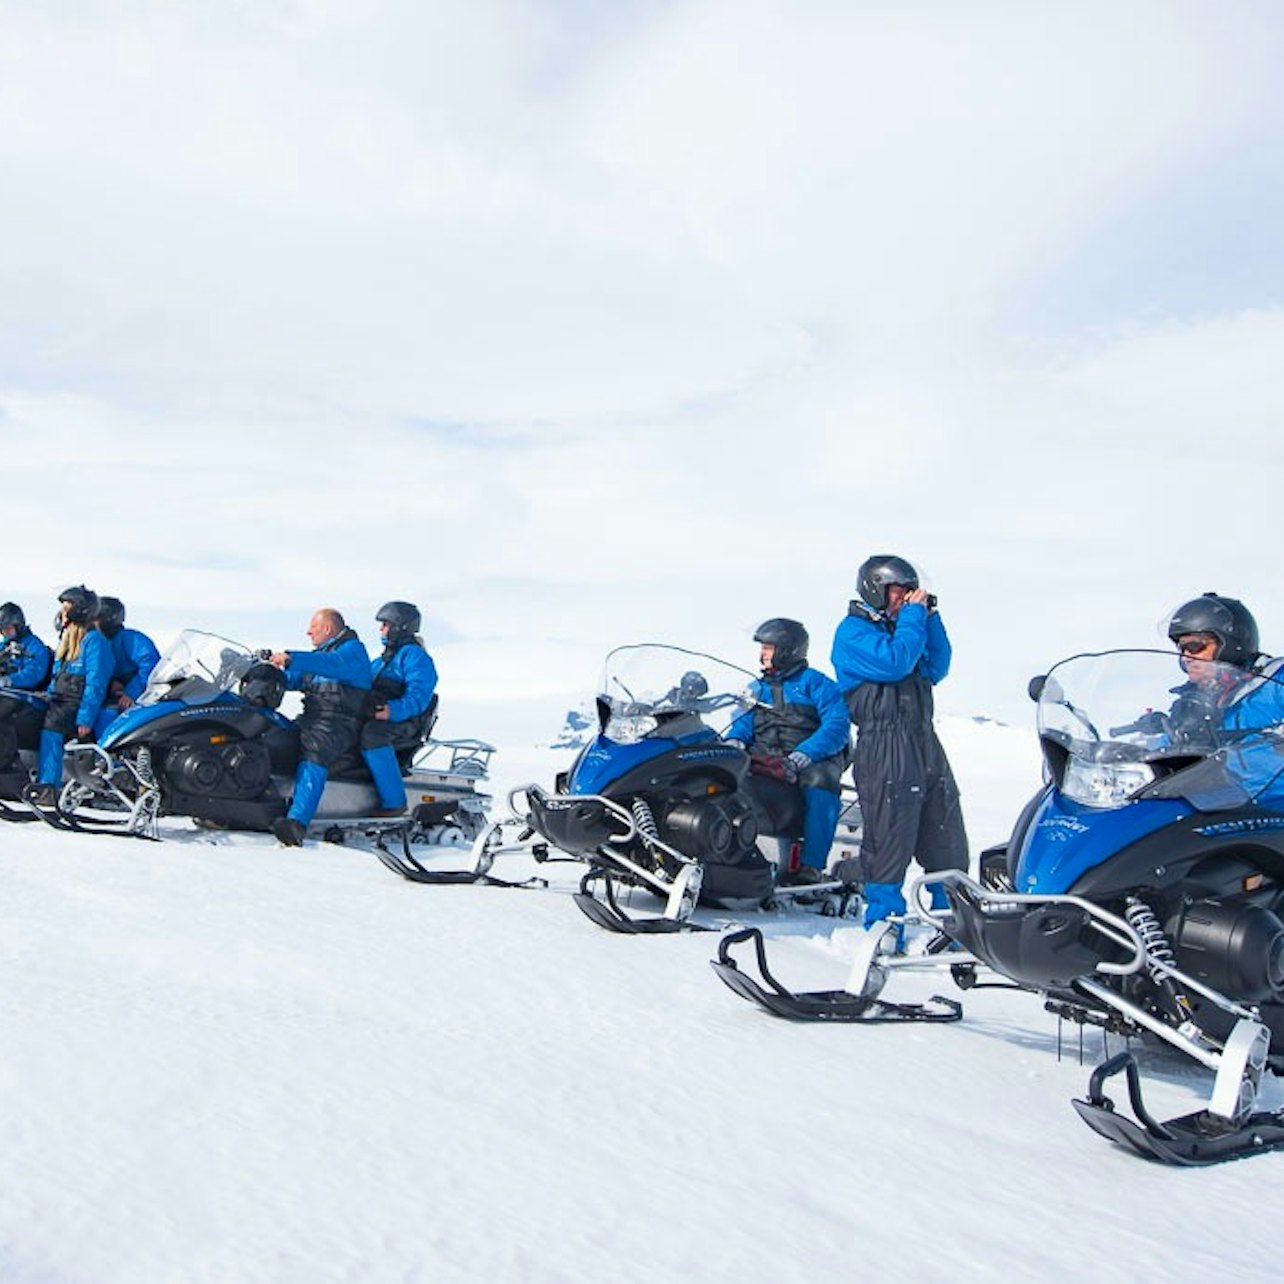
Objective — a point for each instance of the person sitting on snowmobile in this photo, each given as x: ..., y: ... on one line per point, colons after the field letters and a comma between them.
x: 135, y: 656
x: 888, y: 653
x: 403, y: 680
x: 798, y: 732
x: 335, y: 680
x: 24, y: 666
x: 82, y: 669
x: 1231, y: 686
x: 25, y: 660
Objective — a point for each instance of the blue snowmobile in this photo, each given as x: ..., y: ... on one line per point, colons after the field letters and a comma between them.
x: 207, y: 740
x: 660, y: 803
x: 1142, y: 892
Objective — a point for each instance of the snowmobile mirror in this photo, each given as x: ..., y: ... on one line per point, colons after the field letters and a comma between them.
x: 1035, y: 687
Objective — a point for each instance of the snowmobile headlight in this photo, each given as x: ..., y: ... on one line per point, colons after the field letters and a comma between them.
x: 628, y: 731
x: 1104, y: 784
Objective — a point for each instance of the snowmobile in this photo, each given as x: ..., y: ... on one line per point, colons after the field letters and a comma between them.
x: 207, y: 740
x: 659, y: 802
x: 1142, y: 892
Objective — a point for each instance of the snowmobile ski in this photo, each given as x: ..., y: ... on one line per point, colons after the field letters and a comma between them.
x: 1193, y: 1140
x: 405, y: 864
x: 607, y: 913
x: 818, y: 1005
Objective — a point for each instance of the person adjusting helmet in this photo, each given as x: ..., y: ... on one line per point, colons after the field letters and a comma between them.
x: 404, y: 701
x: 134, y: 656
x: 1225, y: 619
x: 24, y: 659
x: 797, y: 732
x: 82, y: 669
x: 888, y: 653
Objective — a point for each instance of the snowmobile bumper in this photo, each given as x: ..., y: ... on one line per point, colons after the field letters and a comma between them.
x: 1043, y: 942
x: 577, y: 824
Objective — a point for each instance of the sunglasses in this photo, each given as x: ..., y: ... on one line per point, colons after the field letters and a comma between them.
x: 1196, y: 646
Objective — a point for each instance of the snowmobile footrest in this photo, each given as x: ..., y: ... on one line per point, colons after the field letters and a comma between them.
x: 1189, y: 1141
x: 817, y: 1005
x: 608, y: 914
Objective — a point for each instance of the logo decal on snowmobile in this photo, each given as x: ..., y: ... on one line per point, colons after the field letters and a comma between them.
x: 704, y: 755
x: 1249, y: 825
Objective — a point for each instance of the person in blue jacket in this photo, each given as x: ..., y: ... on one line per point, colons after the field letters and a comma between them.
x: 24, y: 667
x: 888, y: 653
x: 135, y: 656
x: 403, y: 682
x: 798, y: 732
x: 335, y: 681
x: 25, y: 660
x: 81, y: 671
x: 1231, y: 687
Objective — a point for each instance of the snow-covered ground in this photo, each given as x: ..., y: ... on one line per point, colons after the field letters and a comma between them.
x: 222, y: 1060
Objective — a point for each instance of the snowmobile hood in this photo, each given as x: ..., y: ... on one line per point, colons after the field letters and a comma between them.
x: 134, y: 719
x: 1066, y: 839
x: 605, y: 761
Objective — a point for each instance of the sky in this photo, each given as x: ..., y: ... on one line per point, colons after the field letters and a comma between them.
x: 581, y: 324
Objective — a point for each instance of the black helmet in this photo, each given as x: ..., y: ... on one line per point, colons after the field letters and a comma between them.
x: 11, y: 617
x: 83, y: 603
x: 877, y: 572
x: 790, y: 640
x: 263, y: 685
x: 111, y: 615
x: 1227, y: 619
x: 402, y: 619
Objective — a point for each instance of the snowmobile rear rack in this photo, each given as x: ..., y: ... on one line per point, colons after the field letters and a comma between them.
x: 839, y: 1006
x: 1193, y: 1140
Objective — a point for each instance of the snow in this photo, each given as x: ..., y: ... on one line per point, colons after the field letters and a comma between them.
x: 222, y: 1060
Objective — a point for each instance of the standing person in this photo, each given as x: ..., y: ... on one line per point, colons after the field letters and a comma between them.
x: 134, y: 657
x: 800, y: 723
x: 82, y: 668
x: 403, y: 682
x: 334, y: 679
x: 888, y: 653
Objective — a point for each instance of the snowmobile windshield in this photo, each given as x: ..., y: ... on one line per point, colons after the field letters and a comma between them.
x: 642, y: 686
x: 1168, y: 726
x: 197, y: 667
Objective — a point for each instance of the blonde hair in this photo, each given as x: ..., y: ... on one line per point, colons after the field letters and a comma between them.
x: 69, y: 642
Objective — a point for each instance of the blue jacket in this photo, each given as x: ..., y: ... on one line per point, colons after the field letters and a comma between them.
x: 808, y: 689
x: 408, y: 677
x: 342, y: 660
x: 1258, y: 705
x: 94, y: 665
x: 135, y: 658
x: 31, y: 660
x: 869, y: 650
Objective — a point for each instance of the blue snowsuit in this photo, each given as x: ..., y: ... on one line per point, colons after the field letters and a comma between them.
x: 334, y: 679
x: 30, y: 660
x: 76, y: 696
x: 909, y: 801
x: 803, y: 711
x: 405, y: 678
x: 135, y: 656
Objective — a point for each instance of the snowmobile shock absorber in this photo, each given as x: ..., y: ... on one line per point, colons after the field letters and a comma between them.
x: 1159, y: 953
x: 643, y: 817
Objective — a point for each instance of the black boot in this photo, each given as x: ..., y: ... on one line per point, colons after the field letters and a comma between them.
x: 288, y: 832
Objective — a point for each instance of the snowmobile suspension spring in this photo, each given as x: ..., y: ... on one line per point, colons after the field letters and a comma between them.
x: 144, y: 765
x: 1146, y: 925
x: 645, y: 820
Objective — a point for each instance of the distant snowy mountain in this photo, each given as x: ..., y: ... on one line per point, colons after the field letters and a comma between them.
x: 576, y: 731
